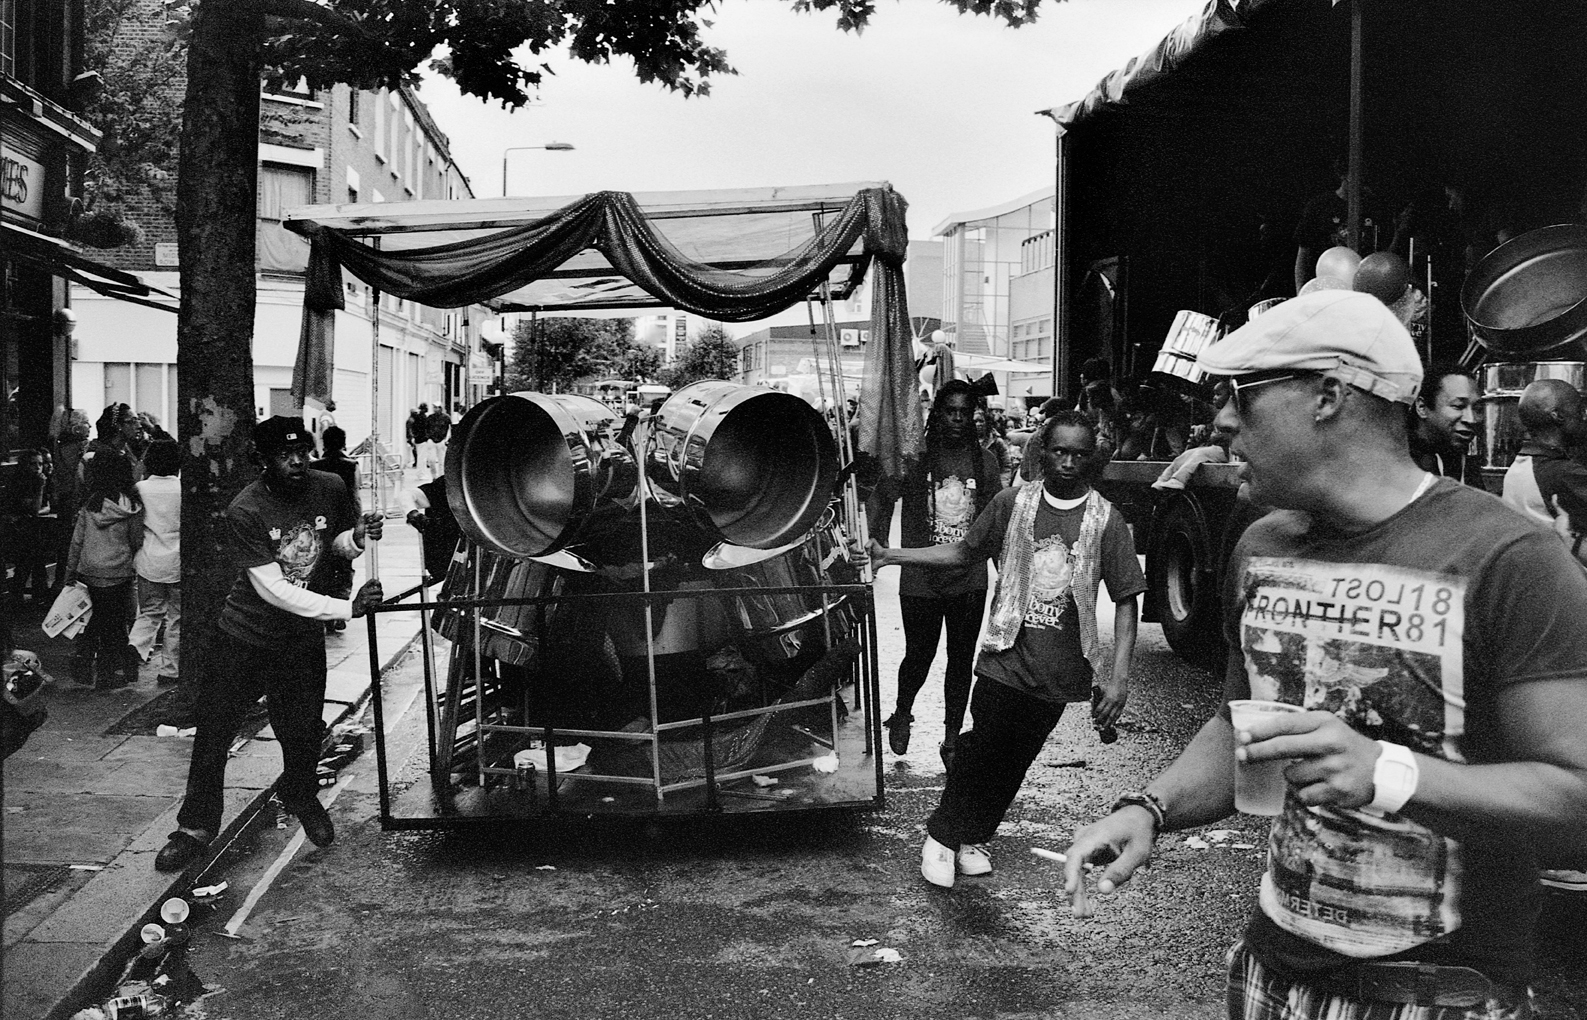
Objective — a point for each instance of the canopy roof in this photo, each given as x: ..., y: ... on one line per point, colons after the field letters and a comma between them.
x: 733, y: 256
x: 751, y: 231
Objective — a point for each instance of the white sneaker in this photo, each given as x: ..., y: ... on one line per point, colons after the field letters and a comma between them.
x: 936, y: 864
x: 1565, y: 881
x: 974, y: 860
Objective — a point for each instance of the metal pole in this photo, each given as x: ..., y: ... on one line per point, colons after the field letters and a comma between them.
x: 1353, y: 181
x: 378, y: 474
x: 1060, y: 255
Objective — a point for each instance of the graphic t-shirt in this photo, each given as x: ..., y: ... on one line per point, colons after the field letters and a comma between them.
x: 297, y: 534
x: 941, y: 499
x: 1045, y: 660
x: 1407, y: 632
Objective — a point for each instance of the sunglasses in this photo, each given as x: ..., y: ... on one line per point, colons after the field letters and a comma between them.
x: 1245, y: 383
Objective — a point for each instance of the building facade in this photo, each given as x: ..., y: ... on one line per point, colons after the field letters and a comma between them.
x: 992, y: 264
x: 339, y: 146
x: 44, y: 144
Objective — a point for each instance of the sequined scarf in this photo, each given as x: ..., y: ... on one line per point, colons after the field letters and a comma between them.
x: 1012, y: 597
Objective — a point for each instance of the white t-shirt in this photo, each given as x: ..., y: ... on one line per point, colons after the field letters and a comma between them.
x: 160, y: 557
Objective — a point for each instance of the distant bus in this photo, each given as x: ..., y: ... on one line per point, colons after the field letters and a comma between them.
x: 646, y: 394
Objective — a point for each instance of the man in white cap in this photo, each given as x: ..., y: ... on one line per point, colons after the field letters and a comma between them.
x: 1433, y: 640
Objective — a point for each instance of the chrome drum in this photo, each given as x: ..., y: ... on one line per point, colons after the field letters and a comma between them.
x: 524, y: 470
x: 760, y: 464
x: 1502, y: 386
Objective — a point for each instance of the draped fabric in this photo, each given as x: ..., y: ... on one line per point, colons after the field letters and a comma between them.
x: 315, y: 365
x: 612, y: 223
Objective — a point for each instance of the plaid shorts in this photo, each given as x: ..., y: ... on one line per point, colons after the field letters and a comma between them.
x: 1255, y: 993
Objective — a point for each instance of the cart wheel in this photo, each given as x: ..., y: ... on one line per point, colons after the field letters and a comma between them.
x: 1184, y: 581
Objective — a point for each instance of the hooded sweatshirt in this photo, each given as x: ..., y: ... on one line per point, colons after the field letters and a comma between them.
x: 103, y: 543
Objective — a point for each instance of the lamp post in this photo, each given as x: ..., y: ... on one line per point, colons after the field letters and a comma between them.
x: 549, y: 147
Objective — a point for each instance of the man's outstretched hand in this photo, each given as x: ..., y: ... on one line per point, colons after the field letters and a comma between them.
x: 1122, y: 841
x: 369, y: 596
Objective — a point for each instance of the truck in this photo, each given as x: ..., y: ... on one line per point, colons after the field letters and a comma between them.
x: 1180, y: 176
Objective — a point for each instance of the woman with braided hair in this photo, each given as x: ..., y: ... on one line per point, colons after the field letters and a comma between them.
x: 954, y: 480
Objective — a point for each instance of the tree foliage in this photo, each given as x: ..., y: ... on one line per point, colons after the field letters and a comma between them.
x: 712, y: 354
x: 555, y: 353
x: 138, y: 111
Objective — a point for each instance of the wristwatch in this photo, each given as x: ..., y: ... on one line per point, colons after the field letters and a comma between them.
x: 1394, y: 777
x: 1151, y: 802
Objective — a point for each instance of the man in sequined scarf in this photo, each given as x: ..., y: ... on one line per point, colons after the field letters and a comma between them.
x: 1053, y: 540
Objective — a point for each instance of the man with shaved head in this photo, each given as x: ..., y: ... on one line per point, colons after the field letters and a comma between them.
x: 1428, y: 644
x: 1543, y: 471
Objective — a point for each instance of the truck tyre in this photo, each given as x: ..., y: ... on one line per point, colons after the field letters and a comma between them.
x: 1183, y: 579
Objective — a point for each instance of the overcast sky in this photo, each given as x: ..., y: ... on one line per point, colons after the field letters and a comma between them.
x: 940, y: 104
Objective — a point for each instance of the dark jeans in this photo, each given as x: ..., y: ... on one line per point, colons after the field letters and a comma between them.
x: 990, y: 762
x: 292, y: 676
x: 923, y: 622
x: 105, y: 635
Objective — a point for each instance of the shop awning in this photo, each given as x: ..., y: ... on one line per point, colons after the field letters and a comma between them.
x: 1168, y: 56
x: 59, y: 258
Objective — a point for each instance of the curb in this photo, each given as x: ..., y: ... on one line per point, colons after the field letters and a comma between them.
x: 96, y: 983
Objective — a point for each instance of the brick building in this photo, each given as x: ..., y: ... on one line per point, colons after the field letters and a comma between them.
x: 44, y: 144
x: 341, y: 145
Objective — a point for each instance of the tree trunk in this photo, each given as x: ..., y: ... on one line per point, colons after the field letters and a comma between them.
x: 217, y: 184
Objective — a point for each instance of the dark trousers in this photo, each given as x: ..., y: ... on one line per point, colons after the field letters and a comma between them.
x: 292, y: 677
x: 105, y: 635
x: 990, y: 762
x: 924, y: 619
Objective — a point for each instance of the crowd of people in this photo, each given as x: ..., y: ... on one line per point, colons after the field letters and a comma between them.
x: 98, y: 511
x: 1424, y: 636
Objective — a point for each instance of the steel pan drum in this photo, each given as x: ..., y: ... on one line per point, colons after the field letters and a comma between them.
x: 1528, y: 297
x: 524, y: 470
x: 1190, y: 334
x: 784, y: 628
x: 508, y: 633
x: 1262, y: 306
x: 1502, y: 386
x: 759, y: 463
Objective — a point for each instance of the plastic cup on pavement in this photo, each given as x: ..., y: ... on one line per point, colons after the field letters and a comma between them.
x: 1258, y: 785
x: 173, y: 910
x: 151, y: 933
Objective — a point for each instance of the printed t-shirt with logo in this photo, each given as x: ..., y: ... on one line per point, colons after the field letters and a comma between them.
x: 1407, y: 632
x: 296, y: 533
x: 1045, y: 660
x: 941, y: 499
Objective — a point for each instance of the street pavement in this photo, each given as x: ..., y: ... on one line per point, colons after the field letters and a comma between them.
x: 86, y: 809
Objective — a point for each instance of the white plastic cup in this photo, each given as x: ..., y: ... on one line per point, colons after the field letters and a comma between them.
x: 1258, y: 785
x: 173, y: 910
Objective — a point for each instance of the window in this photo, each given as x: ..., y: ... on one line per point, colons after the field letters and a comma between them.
x: 8, y: 37
x: 354, y: 101
x: 380, y: 129
x: 283, y: 187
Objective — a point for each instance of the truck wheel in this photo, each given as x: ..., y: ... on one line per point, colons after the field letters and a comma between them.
x: 1183, y: 577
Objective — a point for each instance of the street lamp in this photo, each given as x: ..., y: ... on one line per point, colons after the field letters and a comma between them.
x: 549, y: 147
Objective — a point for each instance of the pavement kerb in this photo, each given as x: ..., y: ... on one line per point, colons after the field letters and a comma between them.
x: 97, y: 982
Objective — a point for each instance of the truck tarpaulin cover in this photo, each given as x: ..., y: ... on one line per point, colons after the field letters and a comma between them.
x: 610, y: 250
x: 1195, y: 32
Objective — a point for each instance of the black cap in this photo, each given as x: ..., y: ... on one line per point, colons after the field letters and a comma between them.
x: 275, y: 435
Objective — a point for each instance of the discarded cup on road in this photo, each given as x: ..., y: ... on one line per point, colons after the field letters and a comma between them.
x: 134, y: 1007
x: 173, y: 910
x: 1259, y: 785
x: 151, y: 933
